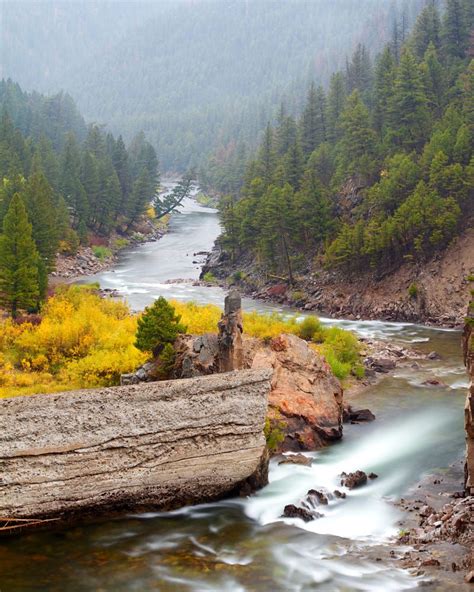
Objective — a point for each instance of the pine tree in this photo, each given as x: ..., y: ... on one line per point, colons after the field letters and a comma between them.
x: 359, y: 73
x: 158, y: 326
x: 285, y: 133
x: 427, y: 31
x: 383, y: 89
x: 336, y: 100
x: 122, y: 168
x: 70, y: 182
x: 434, y: 80
x: 410, y: 121
x: 455, y: 29
x: 313, y: 121
x: 358, y: 143
x: 37, y: 196
x: 266, y: 158
x: 19, y: 282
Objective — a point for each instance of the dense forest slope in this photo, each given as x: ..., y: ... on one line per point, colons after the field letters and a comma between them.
x: 376, y: 176
x: 197, y: 75
x: 63, y: 184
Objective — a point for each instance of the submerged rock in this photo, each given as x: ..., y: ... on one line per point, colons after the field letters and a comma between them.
x: 292, y: 511
x: 353, y: 480
x: 296, y: 459
x: 357, y: 415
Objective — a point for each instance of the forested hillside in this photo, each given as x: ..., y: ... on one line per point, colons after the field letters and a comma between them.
x: 63, y: 184
x: 379, y: 168
x: 197, y: 76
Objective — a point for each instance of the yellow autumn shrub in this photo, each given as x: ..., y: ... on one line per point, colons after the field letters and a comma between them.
x: 82, y: 341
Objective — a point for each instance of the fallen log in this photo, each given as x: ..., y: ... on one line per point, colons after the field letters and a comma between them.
x: 154, y: 445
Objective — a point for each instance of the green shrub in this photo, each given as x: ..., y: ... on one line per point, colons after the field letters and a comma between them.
x: 166, y: 362
x: 273, y: 431
x: 209, y: 277
x: 358, y: 371
x: 413, y: 291
x: 101, y: 252
x: 309, y: 328
x: 69, y: 243
x: 238, y: 276
x: 340, y: 369
x: 158, y: 326
x: 121, y: 243
x: 344, y: 344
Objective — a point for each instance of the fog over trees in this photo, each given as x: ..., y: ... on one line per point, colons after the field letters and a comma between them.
x: 194, y: 75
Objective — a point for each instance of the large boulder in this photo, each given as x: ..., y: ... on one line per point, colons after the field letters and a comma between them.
x: 305, y: 400
x: 156, y: 445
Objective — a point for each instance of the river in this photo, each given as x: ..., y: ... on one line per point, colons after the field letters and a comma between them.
x: 242, y: 545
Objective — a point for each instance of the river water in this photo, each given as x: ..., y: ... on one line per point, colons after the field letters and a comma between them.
x: 243, y: 545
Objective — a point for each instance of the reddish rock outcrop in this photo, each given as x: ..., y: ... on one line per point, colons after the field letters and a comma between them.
x: 305, y: 401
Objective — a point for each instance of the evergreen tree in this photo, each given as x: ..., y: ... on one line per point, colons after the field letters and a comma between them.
x: 335, y: 102
x: 410, y: 119
x: 427, y: 31
x: 359, y: 73
x: 383, y: 89
x: 313, y: 121
x: 70, y: 182
x: 19, y: 282
x: 455, y: 29
x: 358, y: 144
x: 286, y: 132
x: 266, y: 158
x: 37, y: 196
x: 434, y: 81
x: 158, y: 325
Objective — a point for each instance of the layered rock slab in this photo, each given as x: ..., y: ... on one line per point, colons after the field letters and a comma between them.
x: 156, y: 445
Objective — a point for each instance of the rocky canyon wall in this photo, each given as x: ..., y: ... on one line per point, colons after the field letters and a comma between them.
x: 468, y: 343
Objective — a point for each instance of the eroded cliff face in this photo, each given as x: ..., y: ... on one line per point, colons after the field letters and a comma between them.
x: 155, y: 445
x: 468, y: 344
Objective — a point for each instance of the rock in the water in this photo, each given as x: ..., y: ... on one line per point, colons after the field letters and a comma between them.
x: 305, y: 398
x: 381, y: 365
x: 357, y: 415
x: 372, y: 476
x: 434, y: 382
x: 353, y: 480
x: 292, y: 511
x: 339, y: 494
x: 316, y: 497
x: 296, y: 459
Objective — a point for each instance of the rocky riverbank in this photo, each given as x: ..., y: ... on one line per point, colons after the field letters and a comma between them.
x: 90, y: 260
x: 433, y: 293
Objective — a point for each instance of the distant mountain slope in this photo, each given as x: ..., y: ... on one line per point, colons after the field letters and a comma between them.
x: 192, y: 73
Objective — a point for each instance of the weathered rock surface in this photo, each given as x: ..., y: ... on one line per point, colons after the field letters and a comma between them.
x: 468, y: 346
x: 353, y: 480
x: 305, y: 400
x: 230, y: 350
x: 155, y: 445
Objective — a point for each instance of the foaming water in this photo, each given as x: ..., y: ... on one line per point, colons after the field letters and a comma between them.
x: 244, y: 545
